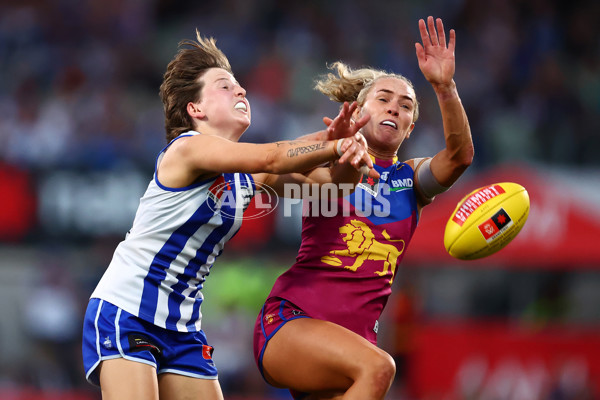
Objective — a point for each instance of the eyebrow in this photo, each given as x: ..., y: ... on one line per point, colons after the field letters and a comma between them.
x: 391, y: 92
x: 226, y: 79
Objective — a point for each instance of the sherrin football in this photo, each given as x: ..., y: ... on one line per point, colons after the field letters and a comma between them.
x: 486, y: 220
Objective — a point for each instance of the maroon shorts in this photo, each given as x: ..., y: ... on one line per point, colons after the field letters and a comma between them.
x: 273, y: 315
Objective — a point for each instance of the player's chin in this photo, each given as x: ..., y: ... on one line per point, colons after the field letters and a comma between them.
x: 387, y: 143
x: 243, y: 128
x: 246, y: 122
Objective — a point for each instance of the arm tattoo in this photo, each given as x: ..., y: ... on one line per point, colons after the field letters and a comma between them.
x: 294, y: 152
x: 288, y: 142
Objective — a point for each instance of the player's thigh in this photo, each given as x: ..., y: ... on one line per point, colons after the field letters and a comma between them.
x: 180, y: 387
x: 125, y: 379
x: 314, y: 355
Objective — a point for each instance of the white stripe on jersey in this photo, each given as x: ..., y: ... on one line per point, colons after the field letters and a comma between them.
x: 158, y: 271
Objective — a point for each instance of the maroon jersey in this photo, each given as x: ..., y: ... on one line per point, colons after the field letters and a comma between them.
x: 347, y: 263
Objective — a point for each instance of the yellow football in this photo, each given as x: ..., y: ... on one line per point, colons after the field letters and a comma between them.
x: 486, y: 220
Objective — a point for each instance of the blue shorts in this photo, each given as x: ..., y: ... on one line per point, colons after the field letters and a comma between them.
x: 110, y: 332
x: 275, y: 313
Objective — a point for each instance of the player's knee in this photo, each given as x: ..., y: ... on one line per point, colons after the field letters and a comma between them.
x: 386, y: 372
x: 382, y: 370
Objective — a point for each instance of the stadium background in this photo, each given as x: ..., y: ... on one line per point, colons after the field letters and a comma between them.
x: 81, y: 123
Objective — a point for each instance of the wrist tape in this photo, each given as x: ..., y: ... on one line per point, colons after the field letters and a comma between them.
x: 337, y: 146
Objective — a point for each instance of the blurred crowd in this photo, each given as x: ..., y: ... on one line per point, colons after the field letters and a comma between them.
x: 79, y: 86
x: 80, y: 79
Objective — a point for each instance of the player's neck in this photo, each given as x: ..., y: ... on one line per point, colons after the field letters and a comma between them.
x: 382, y: 155
x: 230, y: 134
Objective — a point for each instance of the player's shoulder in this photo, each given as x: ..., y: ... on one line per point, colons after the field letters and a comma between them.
x: 416, y: 162
x: 191, y: 143
x: 409, y: 162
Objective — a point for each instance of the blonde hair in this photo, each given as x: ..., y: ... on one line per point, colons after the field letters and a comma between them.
x: 182, y: 84
x: 353, y: 85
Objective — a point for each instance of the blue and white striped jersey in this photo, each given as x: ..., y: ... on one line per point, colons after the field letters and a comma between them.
x: 158, y: 271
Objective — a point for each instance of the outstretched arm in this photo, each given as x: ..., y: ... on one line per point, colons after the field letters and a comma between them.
x: 203, y: 156
x: 348, y: 169
x: 436, y: 61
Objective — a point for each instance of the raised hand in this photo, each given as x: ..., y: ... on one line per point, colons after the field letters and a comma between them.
x: 436, y: 59
x: 343, y: 125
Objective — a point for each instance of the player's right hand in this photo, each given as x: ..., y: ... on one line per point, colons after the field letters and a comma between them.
x: 355, y: 152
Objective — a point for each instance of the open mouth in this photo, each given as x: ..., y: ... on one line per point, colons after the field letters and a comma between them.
x: 387, y: 122
x: 240, y: 105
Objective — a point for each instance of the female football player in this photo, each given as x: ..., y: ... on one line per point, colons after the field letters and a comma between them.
x: 142, y: 335
x: 317, y: 332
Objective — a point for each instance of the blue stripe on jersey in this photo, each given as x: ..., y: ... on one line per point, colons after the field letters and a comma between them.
x: 204, y: 249
x: 166, y: 255
x: 201, y: 254
x: 201, y: 258
x: 191, y: 325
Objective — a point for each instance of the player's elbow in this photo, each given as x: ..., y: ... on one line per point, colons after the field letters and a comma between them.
x: 459, y: 149
x: 456, y: 164
x: 466, y: 158
x: 463, y: 157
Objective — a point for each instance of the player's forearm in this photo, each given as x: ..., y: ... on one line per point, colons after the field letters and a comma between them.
x: 299, y: 156
x: 457, y: 132
x: 345, y: 174
x: 344, y: 178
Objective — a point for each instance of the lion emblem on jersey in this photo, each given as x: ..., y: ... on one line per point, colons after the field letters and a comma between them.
x: 362, y: 245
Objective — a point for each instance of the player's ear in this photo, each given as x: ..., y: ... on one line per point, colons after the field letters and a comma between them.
x: 412, y: 126
x: 194, y: 110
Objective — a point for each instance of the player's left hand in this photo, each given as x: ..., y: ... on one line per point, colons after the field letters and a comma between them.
x: 343, y: 125
x: 436, y: 59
